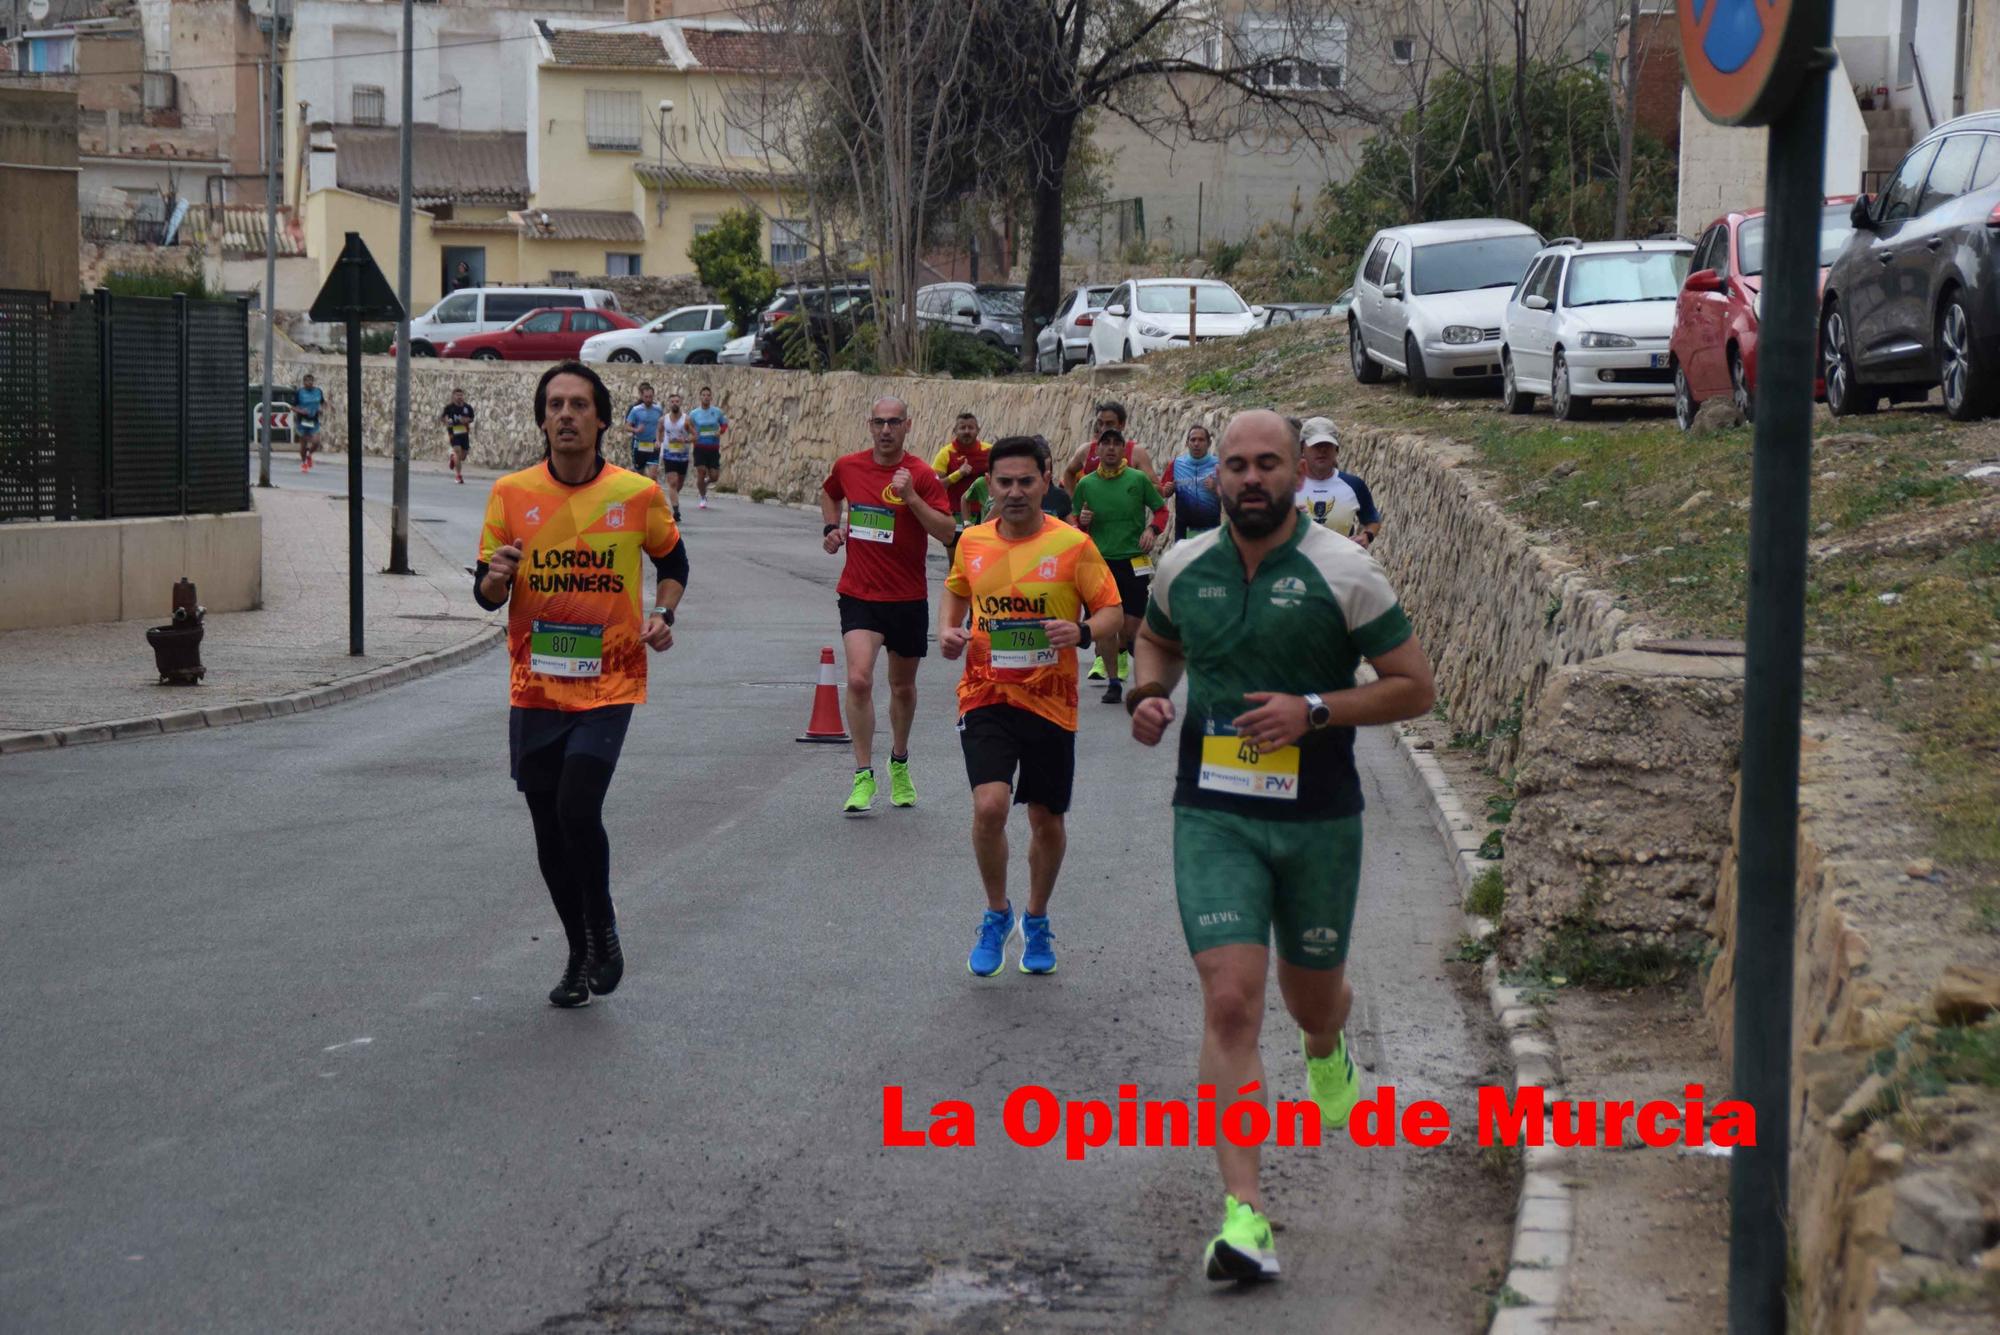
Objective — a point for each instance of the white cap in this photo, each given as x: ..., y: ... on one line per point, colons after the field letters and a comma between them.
x: 1318, y: 431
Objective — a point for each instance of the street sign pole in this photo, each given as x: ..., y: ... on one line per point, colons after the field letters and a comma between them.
x: 399, y: 504
x: 270, y: 251
x: 1767, y: 65
x: 355, y: 291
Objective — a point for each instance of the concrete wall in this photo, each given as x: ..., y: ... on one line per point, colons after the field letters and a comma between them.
x: 1722, y: 167
x: 38, y: 243
x: 124, y: 569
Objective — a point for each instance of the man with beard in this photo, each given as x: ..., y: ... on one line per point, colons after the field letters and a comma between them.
x: 1269, y: 616
x: 1190, y: 484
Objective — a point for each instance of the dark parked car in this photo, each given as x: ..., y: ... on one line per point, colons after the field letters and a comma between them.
x: 1914, y: 298
x: 833, y: 311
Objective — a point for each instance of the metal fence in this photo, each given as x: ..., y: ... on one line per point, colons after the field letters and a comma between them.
x: 119, y: 407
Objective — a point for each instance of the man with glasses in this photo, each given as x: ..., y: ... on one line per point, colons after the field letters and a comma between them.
x: 892, y: 500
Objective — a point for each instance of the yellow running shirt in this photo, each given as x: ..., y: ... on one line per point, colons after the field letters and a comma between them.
x: 580, y: 596
x: 1014, y: 587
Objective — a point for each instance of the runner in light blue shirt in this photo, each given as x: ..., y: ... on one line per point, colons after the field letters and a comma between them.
x: 709, y: 423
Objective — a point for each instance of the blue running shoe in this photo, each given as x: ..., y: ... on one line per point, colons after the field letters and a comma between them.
x: 1038, y: 949
x: 990, y: 951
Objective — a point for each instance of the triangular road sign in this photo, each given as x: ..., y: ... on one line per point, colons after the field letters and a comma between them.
x: 356, y: 289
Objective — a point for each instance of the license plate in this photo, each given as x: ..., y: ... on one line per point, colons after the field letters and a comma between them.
x: 1659, y: 361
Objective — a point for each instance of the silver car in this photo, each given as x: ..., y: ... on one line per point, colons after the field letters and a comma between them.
x: 990, y: 312
x: 1428, y: 300
x: 1065, y: 341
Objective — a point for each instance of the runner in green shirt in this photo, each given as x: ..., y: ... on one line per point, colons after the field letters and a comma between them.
x: 1113, y: 505
x: 1269, y: 616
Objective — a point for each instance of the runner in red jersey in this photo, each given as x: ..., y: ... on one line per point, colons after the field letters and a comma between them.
x: 894, y: 504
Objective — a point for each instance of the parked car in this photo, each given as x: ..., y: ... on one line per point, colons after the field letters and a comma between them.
x: 1064, y: 342
x: 1428, y: 299
x: 738, y: 351
x: 1590, y: 320
x: 484, y: 310
x: 1147, y: 313
x: 990, y: 312
x: 1714, y: 344
x: 789, y: 300
x: 1913, y: 299
x: 1342, y: 304
x: 691, y: 334
x: 550, y: 335
x: 1291, y: 312
x: 831, y: 315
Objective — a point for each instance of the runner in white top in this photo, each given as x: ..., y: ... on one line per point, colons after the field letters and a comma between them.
x: 1336, y: 500
x: 676, y: 440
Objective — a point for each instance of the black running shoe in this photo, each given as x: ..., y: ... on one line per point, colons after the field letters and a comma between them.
x: 1114, y: 694
x: 573, y: 990
x: 605, y: 964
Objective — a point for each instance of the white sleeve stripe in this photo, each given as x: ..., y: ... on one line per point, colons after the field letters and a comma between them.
x: 1355, y: 579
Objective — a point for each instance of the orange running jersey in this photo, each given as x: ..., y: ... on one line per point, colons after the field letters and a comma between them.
x: 580, y: 595
x: 1015, y: 586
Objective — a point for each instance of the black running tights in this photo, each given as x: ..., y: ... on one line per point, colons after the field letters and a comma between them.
x: 572, y: 847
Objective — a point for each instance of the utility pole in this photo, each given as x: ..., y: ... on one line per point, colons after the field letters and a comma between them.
x: 270, y: 255
x: 399, y: 495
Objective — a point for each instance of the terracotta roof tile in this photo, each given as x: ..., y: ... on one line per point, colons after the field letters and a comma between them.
x: 622, y: 49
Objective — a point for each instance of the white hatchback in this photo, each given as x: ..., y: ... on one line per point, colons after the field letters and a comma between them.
x: 1591, y: 320
x: 1147, y: 313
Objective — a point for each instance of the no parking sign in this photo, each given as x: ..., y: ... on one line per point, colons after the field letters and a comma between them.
x: 1744, y: 58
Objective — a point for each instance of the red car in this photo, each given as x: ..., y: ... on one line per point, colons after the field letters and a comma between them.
x: 550, y: 334
x: 1713, y: 348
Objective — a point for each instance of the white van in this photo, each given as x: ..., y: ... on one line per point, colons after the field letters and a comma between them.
x: 479, y: 310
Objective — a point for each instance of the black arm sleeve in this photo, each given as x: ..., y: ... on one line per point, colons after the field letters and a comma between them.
x: 674, y: 565
x: 479, y: 579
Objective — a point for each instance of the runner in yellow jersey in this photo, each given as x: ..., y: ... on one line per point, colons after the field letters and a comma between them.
x: 565, y: 550
x: 1026, y: 577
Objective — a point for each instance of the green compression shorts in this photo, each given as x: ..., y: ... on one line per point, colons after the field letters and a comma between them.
x: 1239, y: 879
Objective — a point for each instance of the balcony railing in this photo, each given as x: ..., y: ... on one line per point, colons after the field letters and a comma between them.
x: 129, y: 231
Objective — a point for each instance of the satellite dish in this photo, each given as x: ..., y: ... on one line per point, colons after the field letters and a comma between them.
x: 38, y: 9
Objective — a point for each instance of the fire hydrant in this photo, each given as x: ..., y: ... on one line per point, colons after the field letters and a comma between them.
x: 177, y: 647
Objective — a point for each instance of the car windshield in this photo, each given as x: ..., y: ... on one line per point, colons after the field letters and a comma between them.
x: 1834, y: 229
x: 1461, y: 266
x: 1209, y: 299
x: 1004, y: 303
x: 1639, y: 275
x: 1095, y: 297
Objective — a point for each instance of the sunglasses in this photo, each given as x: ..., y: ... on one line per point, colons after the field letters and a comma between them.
x: 887, y: 421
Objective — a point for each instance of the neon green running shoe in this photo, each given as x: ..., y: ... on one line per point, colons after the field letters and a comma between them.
x: 863, y: 797
x: 1243, y: 1251
x: 902, y: 793
x: 1096, y: 672
x: 1124, y: 667
x: 1335, y: 1087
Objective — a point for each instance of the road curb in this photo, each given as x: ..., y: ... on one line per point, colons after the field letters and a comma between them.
x: 1545, y: 1221
x: 248, y: 711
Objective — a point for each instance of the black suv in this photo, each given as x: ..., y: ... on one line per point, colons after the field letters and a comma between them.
x: 1913, y: 299
x: 831, y: 312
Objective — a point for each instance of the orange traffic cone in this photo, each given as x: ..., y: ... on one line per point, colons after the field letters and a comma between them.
x: 826, y: 725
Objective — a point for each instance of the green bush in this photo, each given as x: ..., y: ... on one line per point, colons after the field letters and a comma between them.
x: 377, y: 337
x: 730, y: 259
x: 1227, y: 256
x: 1488, y: 895
x: 948, y: 352
x: 163, y: 280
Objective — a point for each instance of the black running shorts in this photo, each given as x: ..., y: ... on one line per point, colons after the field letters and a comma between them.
x: 999, y: 740
x: 905, y: 628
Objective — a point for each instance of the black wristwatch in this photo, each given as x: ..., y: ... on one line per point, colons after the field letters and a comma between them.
x: 1083, y: 639
x: 1317, y: 714
x: 665, y: 613
x: 828, y: 529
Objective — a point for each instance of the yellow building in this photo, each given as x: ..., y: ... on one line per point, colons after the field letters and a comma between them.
x: 604, y: 181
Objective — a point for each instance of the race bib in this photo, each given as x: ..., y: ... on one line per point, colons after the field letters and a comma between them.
x: 1237, y: 765
x: 1021, y: 645
x: 1142, y: 566
x: 870, y: 523
x: 566, y: 649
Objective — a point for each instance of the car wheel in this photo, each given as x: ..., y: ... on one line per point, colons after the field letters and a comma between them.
x: 1565, y: 405
x: 1844, y: 395
x: 1090, y: 353
x: 701, y: 359
x: 1967, y: 396
x: 1367, y: 370
x: 1516, y: 401
x: 625, y: 356
x: 1128, y: 352
x: 1684, y: 404
x: 422, y: 350
x: 1420, y: 380
x: 1739, y: 388
x: 485, y: 355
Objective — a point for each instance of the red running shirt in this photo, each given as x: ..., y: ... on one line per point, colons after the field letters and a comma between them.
x: 885, y: 543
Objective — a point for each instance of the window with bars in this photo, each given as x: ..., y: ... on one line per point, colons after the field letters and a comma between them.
x: 789, y: 238
x: 612, y: 120
x: 369, y: 106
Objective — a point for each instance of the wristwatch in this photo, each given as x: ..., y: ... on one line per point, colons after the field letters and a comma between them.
x: 667, y: 614
x: 1317, y: 714
x: 1083, y: 636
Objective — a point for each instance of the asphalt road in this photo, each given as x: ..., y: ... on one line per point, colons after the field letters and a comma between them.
x: 277, y: 1055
